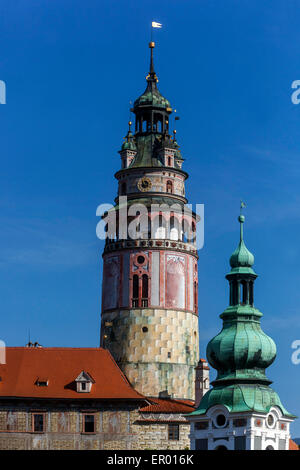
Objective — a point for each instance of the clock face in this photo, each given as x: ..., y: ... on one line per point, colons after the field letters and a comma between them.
x: 144, y: 184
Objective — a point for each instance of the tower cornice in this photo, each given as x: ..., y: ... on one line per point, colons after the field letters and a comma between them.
x: 152, y: 169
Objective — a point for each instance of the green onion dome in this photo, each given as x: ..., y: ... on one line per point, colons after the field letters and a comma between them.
x: 129, y: 143
x: 241, y: 350
x: 152, y: 97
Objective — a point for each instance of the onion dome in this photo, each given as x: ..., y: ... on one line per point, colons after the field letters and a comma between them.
x: 152, y: 97
x: 241, y: 352
x: 241, y: 257
x: 129, y: 143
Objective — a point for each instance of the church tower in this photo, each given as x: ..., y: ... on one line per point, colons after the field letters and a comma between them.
x: 241, y: 411
x: 150, y: 282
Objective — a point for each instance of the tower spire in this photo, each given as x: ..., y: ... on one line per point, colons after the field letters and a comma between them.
x: 241, y: 353
x: 152, y: 77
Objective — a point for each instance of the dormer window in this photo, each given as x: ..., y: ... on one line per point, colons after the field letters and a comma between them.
x: 42, y: 382
x: 84, y: 382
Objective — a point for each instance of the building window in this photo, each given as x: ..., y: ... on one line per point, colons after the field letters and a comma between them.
x: 89, y: 423
x: 201, y: 425
x: 38, y: 421
x: 173, y: 432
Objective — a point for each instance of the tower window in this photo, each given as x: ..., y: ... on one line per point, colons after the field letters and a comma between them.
x: 135, y: 290
x: 123, y: 188
x: 173, y: 228
x: 144, y: 290
x: 195, y: 297
x: 173, y: 432
x: 89, y: 423
x: 169, y: 186
x: 251, y: 292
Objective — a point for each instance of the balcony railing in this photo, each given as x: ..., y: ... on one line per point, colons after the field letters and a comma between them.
x: 114, y: 245
x: 135, y: 303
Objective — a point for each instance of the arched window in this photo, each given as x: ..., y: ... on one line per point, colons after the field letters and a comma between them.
x: 193, y: 233
x: 135, y: 290
x: 169, y: 186
x: 195, y: 297
x: 245, y: 294
x: 160, y: 227
x: 144, y: 290
x: 185, y: 227
x: 251, y: 292
x: 173, y: 228
x: 235, y: 292
x: 169, y: 161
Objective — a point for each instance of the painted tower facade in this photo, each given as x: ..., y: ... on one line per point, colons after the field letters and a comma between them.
x: 241, y: 411
x: 150, y: 281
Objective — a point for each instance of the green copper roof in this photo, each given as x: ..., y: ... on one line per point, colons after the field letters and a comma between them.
x: 241, y: 351
x: 152, y: 97
x: 145, y: 156
x: 129, y: 143
x: 240, y: 398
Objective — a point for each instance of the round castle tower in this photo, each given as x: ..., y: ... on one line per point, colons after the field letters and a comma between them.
x: 150, y: 283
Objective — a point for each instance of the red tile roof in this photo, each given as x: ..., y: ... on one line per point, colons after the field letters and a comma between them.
x: 293, y: 445
x: 60, y: 367
x: 167, y: 405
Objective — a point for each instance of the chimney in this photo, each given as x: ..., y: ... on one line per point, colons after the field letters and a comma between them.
x: 201, y: 381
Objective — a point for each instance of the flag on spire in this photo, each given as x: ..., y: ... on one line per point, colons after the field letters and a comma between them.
x: 156, y: 25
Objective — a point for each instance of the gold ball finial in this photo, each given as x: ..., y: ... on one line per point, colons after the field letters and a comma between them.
x: 152, y: 44
x: 174, y: 132
x: 129, y: 123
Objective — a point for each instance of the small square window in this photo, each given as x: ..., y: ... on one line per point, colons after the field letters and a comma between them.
x: 173, y: 432
x: 38, y: 422
x: 89, y: 423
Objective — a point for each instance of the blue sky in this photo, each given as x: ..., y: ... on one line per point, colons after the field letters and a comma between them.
x: 71, y: 68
